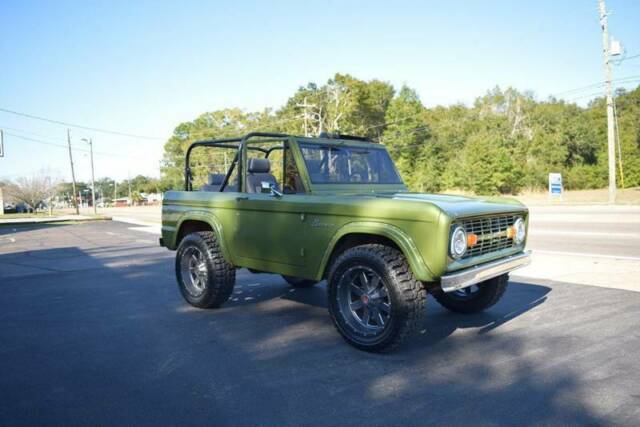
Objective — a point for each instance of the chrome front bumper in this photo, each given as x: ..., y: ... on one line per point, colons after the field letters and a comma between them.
x: 480, y: 273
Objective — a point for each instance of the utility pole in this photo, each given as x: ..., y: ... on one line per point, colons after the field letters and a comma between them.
x: 1, y: 155
x: 93, y: 181
x: 615, y: 115
x: 611, y: 149
x: 73, y: 174
x: 306, y: 115
x: 129, y: 182
x: 115, y: 191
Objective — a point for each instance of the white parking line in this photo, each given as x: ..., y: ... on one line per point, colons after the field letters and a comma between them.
x: 538, y: 232
x: 154, y: 229
x: 134, y: 221
x: 586, y: 255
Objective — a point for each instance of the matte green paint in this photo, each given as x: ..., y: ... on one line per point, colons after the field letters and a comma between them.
x: 295, y: 234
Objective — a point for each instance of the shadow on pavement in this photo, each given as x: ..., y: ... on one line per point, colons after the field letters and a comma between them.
x: 118, y: 344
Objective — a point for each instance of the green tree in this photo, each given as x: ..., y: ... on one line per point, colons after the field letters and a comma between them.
x: 504, y: 142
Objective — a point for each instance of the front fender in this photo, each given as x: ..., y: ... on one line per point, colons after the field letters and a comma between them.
x: 395, y: 234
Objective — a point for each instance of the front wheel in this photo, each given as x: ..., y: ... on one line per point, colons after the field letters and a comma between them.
x: 474, y: 298
x: 374, y: 300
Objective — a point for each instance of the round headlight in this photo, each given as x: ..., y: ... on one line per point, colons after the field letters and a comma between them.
x: 520, y: 231
x: 458, y: 245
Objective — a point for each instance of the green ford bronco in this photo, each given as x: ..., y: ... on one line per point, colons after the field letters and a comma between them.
x: 334, y: 208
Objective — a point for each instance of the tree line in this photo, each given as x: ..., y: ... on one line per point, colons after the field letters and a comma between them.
x: 41, y: 190
x: 506, y: 142
x: 110, y: 189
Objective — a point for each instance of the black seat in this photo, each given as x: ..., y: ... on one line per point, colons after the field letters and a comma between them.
x: 258, y: 171
x: 214, y: 181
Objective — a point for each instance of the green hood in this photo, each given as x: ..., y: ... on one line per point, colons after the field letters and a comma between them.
x: 461, y: 206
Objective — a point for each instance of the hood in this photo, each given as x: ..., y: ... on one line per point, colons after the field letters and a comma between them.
x: 462, y: 206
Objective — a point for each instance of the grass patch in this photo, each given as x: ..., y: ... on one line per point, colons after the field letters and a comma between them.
x: 627, y: 196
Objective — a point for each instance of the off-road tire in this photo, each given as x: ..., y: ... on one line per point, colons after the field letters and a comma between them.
x: 220, y: 274
x: 407, y: 296
x: 298, y: 282
x: 489, y: 294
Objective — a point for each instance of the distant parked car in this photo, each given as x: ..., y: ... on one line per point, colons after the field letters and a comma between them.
x: 23, y: 208
x: 10, y: 208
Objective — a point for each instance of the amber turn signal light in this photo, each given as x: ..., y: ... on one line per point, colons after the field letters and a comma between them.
x: 472, y: 239
x: 511, y: 232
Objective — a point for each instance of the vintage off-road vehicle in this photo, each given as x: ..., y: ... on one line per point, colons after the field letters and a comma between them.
x: 334, y: 208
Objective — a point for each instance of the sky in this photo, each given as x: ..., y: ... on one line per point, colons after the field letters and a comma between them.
x: 143, y: 67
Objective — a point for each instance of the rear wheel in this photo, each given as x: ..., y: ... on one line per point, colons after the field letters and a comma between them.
x: 374, y: 300
x: 298, y: 282
x: 475, y: 298
x: 204, y: 277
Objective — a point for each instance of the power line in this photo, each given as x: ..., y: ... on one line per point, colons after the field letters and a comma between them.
x: 53, y: 144
x: 59, y: 122
x: 594, y: 85
x: 626, y: 58
x: 621, y: 80
x: 33, y: 133
x: 589, y: 95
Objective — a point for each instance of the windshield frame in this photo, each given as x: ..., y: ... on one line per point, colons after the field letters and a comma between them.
x: 349, y: 145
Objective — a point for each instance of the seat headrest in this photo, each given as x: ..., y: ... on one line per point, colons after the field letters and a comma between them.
x: 257, y: 165
x: 215, y: 179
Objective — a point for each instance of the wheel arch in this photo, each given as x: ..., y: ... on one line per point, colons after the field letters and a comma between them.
x: 201, y: 221
x: 360, y: 233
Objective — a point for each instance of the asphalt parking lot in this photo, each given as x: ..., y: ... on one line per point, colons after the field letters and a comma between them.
x: 93, y: 331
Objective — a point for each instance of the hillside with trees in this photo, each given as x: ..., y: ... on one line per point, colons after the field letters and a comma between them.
x: 506, y: 142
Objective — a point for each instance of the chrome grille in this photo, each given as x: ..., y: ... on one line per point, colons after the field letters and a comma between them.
x: 491, y: 232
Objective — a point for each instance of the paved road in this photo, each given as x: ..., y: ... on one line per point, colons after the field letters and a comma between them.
x: 595, y: 245
x: 93, y: 331
x: 599, y: 230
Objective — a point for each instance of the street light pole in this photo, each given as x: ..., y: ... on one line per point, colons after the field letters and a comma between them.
x: 93, y: 181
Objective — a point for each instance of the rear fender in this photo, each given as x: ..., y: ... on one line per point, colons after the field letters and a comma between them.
x: 214, y: 223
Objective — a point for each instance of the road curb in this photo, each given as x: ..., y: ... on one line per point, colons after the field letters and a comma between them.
x: 66, y: 218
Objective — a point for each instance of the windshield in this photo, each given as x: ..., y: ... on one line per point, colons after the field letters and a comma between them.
x: 347, y: 165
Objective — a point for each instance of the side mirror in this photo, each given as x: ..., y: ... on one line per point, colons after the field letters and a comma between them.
x: 269, y: 188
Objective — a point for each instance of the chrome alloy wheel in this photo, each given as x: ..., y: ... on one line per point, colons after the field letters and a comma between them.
x: 363, y: 300
x: 193, y: 268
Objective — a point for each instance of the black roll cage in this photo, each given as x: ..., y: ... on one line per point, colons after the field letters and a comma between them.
x: 229, y: 143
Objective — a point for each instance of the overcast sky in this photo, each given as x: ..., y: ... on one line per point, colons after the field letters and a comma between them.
x: 143, y: 67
